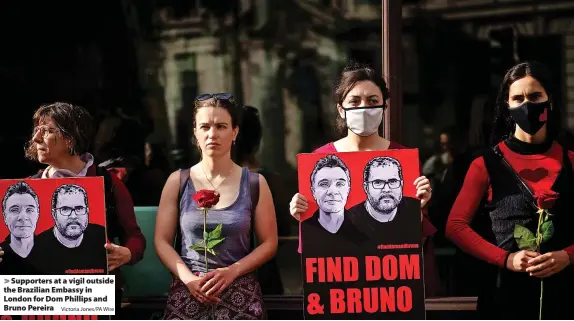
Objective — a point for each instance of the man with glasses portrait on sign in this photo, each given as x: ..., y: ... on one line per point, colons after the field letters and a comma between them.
x: 73, y: 242
x: 386, y: 213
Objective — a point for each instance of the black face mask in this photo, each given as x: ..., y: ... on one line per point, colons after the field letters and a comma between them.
x: 530, y: 117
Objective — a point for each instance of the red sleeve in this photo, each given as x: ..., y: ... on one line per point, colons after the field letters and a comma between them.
x: 428, y: 228
x: 476, y: 184
x: 571, y: 156
x: 570, y: 249
x: 133, y: 237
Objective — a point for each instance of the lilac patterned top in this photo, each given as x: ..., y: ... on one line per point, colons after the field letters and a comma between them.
x: 236, y: 228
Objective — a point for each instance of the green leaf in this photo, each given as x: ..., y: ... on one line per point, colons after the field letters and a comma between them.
x: 205, y: 235
x: 547, y: 231
x: 525, y: 239
x: 200, y: 243
x: 211, y: 244
x: 211, y: 251
x: 216, y: 233
x: 197, y: 247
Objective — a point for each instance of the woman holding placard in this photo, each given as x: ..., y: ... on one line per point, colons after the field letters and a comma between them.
x: 361, y: 99
x: 61, y: 140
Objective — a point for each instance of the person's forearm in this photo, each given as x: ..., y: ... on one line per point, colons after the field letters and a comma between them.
x: 131, y: 236
x: 428, y: 229
x: 261, y: 254
x: 136, y: 244
x: 173, y: 262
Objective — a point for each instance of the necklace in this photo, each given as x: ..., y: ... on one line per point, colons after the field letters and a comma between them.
x: 215, y: 188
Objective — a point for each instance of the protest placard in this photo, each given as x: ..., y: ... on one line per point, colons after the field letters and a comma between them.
x: 53, y: 240
x: 361, y: 236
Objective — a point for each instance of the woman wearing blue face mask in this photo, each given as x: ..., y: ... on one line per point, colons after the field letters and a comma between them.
x: 526, y: 169
x: 361, y: 98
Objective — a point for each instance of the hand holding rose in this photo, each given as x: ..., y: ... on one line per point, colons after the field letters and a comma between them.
x: 548, y: 264
x: 218, y: 280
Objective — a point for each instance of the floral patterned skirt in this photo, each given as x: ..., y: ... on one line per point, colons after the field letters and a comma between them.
x: 242, y: 300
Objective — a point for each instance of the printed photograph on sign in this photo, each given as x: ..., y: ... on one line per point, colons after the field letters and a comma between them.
x: 53, y: 227
x: 361, y: 236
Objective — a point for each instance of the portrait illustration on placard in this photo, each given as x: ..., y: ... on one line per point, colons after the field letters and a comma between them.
x: 70, y: 212
x: 330, y: 186
x: 386, y: 209
x: 362, y: 220
x: 53, y: 226
x: 20, y: 211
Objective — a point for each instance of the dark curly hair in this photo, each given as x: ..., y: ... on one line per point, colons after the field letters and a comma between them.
x: 353, y: 73
x: 73, y: 122
x: 503, y: 126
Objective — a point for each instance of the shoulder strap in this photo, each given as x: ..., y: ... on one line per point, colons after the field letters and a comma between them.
x: 526, y: 192
x: 183, y: 178
x: 254, y: 189
x: 108, y: 185
x: 112, y: 222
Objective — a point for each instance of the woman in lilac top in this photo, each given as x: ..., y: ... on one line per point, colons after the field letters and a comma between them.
x: 230, y: 289
x: 361, y: 100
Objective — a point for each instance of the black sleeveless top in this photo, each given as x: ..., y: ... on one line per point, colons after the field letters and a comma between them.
x: 516, y: 295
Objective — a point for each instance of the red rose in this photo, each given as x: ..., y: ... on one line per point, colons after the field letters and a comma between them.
x: 545, y: 199
x: 206, y: 198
